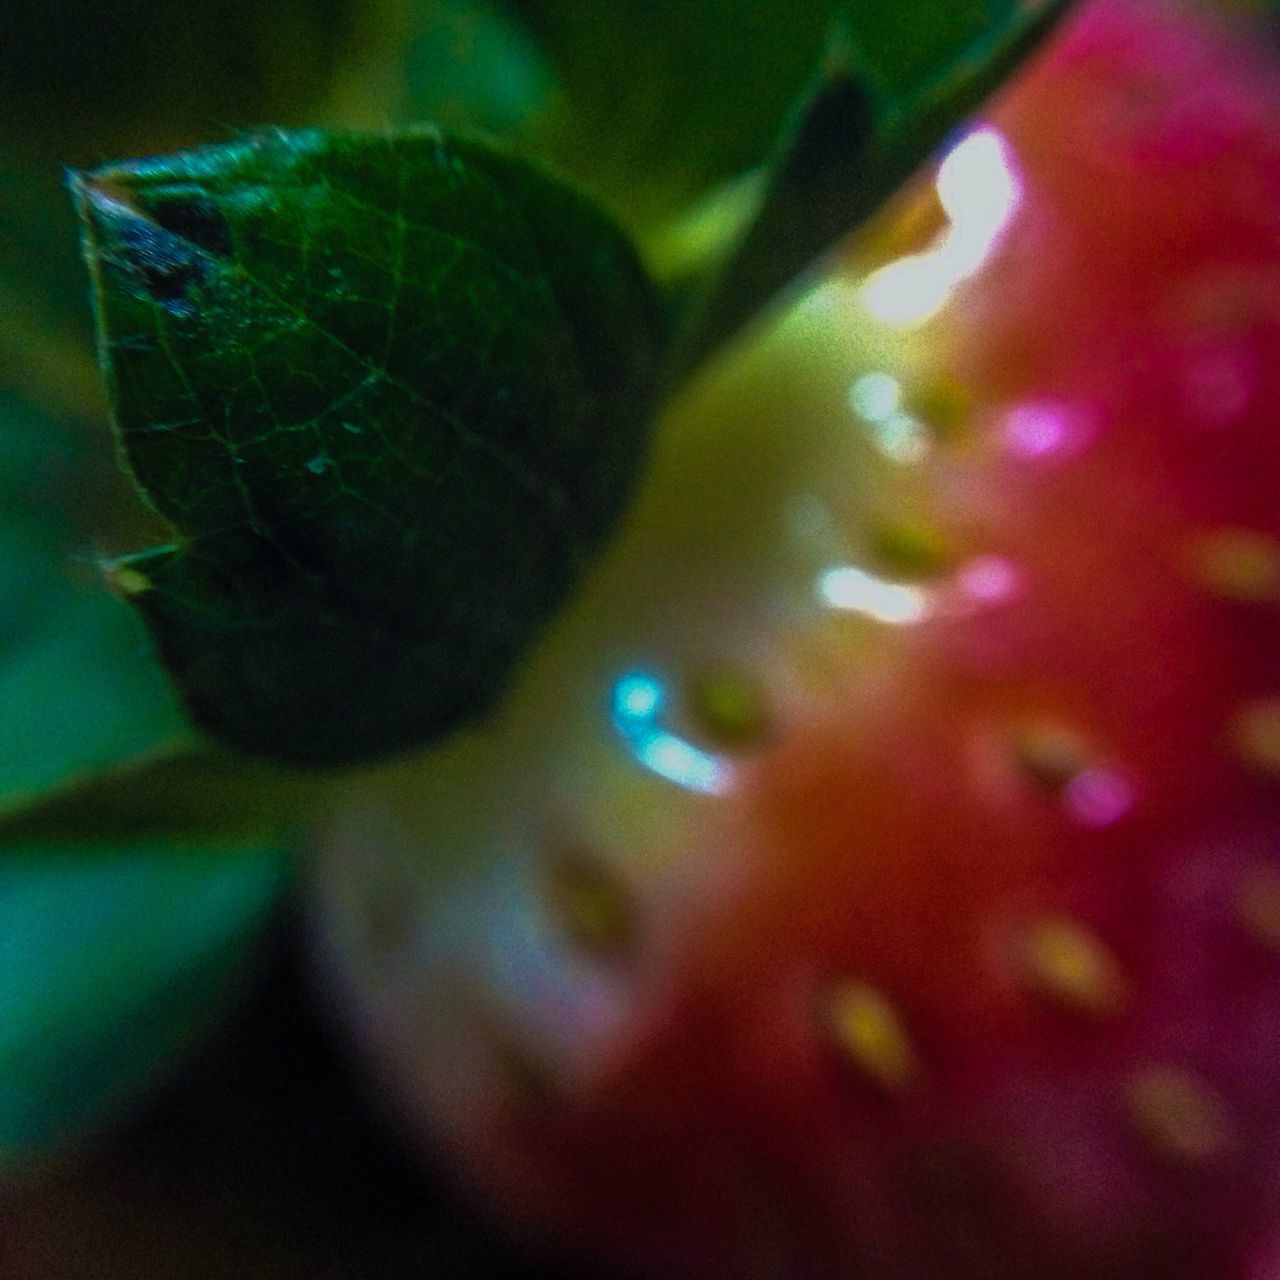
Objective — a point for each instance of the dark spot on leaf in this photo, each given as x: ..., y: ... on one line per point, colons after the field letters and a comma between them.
x: 166, y: 265
x: 198, y: 221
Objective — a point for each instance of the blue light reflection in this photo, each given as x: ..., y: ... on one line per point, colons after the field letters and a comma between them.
x: 636, y: 706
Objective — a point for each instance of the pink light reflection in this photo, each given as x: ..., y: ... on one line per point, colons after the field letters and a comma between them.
x: 989, y: 579
x: 1043, y: 429
x: 1098, y: 797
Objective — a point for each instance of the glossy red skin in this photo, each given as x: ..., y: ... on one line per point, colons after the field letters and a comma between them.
x: 893, y: 840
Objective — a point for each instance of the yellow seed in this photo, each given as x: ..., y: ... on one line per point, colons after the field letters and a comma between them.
x: 1071, y: 966
x: 870, y: 1033
x: 1238, y: 564
x: 1049, y: 755
x: 1255, y: 732
x: 911, y: 550
x: 730, y: 707
x: 1179, y: 1116
x: 1258, y: 905
x: 593, y: 906
x: 945, y: 406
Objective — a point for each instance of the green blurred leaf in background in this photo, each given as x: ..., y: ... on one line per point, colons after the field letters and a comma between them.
x: 660, y: 100
x: 111, y: 968
x: 78, y: 687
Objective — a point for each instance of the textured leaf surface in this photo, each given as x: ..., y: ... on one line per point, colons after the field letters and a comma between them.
x: 390, y: 391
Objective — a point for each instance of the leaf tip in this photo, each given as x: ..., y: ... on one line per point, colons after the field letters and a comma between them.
x: 157, y: 245
x: 125, y: 581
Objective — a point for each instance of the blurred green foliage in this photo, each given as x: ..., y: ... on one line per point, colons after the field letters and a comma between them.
x: 111, y: 967
x: 78, y: 688
x: 659, y: 99
x: 87, y: 75
x: 111, y: 963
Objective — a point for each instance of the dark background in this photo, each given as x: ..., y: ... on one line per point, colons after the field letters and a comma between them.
x: 261, y: 1158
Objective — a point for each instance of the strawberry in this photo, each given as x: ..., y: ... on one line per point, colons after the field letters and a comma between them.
x: 877, y: 874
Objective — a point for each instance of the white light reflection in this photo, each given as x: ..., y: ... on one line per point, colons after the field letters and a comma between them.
x: 978, y: 188
x: 902, y: 438
x: 876, y: 398
x: 636, y: 706
x: 856, y: 591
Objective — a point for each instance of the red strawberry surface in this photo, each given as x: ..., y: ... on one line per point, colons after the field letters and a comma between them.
x: 877, y: 875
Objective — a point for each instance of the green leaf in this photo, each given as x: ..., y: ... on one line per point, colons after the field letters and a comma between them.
x: 459, y: 63
x: 908, y: 45
x: 662, y: 99
x: 391, y: 392
x: 850, y: 146
x: 111, y: 968
x: 189, y: 792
